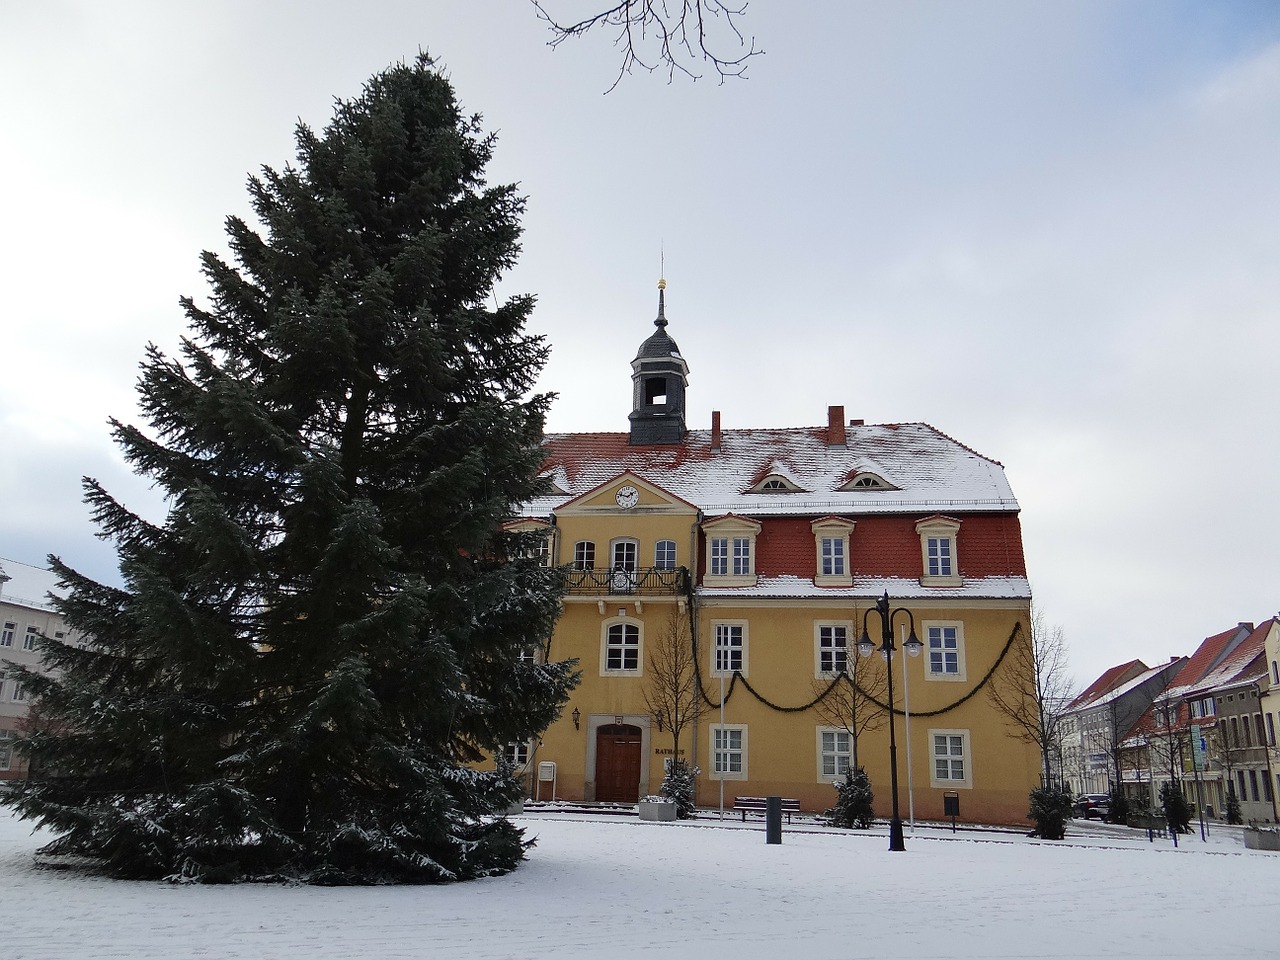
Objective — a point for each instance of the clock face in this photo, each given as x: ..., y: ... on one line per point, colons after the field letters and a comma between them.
x: 627, y: 496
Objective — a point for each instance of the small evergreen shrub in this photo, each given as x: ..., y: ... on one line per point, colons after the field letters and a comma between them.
x: 1117, y: 805
x: 678, y: 785
x: 1177, y: 811
x: 1233, y: 806
x: 853, y: 801
x: 1051, y: 808
x: 1140, y: 814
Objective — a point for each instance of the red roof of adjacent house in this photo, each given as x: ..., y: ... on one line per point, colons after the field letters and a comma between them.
x: 1219, y: 661
x: 1109, y: 680
x: 1241, y: 665
x: 1211, y: 652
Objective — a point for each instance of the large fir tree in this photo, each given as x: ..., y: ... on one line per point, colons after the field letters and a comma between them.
x: 311, y: 652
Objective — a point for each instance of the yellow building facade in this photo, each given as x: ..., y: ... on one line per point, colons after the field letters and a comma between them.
x: 760, y: 554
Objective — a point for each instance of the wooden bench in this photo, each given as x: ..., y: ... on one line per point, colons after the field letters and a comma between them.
x: 759, y: 804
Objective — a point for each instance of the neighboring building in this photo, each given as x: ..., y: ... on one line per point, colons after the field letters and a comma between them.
x: 1226, y: 709
x: 1269, y: 700
x: 1158, y: 748
x: 768, y: 549
x: 1080, y: 770
x: 26, y: 613
x: 1096, y: 724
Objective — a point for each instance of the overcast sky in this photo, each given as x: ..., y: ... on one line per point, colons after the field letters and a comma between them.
x: 1051, y: 230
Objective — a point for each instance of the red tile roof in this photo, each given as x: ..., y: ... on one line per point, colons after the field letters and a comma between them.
x: 1109, y: 680
x: 930, y: 471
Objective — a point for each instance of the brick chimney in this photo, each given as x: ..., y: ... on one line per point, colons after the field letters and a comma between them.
x: 835, y: 427
x: 715, y: 431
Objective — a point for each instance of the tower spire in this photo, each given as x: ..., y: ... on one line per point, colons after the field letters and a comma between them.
x: 659, y: 376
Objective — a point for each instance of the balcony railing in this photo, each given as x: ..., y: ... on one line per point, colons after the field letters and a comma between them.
x: 645, y: 582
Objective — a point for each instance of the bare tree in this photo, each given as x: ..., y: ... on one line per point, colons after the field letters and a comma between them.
x: 673, y: 35
x: 1033, y: 686
x: 853, y: 704
x: 670, y: 690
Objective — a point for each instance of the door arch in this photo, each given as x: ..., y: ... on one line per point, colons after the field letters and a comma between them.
x: 618, y: 756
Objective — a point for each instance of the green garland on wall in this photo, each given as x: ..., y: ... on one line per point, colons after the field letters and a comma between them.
x: 844, y: 677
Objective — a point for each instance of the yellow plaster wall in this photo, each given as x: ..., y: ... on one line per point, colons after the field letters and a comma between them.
x: 782, y: 751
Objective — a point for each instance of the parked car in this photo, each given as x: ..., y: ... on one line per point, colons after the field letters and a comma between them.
x: 1090, y: 805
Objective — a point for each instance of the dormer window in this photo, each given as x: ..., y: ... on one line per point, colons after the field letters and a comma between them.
x: 868, y: 481
x: 731, y: 551
x: 939, y: 561
x: 775, y: 483
x: 831, y: 537
x: 550, y: 486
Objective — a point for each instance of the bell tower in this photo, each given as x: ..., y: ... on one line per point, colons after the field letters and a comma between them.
x: 659, y: 376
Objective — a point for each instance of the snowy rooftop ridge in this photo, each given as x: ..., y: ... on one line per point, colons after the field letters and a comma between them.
x: 28, y: 586
x: 930, y: 470
x: 871, y: 588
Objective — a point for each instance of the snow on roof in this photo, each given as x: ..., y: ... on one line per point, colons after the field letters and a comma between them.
x: 1241, y: 665
x: 1212, y: 652
x: 931, y: 470
x: 1132, y: 684
x: 28, y: 586
x: 871, y: 588
x: 1109, y: 680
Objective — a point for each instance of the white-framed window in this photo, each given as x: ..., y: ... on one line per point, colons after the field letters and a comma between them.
x: 624, y: 556
x: 29, y: 639
x: 831, y: 542
x: 831, y: 646
x: 517, y: 753
x: 6, y: 749
x: 6, y: 635
x: 620, y: 648
x: 951, y: 763
x: 938, y: 554
x: 940, y: 561
x: 541, y: 549
x: 17, y: 692
x: 664, y: 555
x: 719, y: 557
x: 729, y: 651
x: 943, y: 650
x: 584, y: 555
x: 729, y: 751
x: 834, y: 753
x: 529, y: 654
x: 731, y: 558
x: 831, y: 555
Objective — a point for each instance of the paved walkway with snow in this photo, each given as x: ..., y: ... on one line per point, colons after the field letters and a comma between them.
x: 616, y: 888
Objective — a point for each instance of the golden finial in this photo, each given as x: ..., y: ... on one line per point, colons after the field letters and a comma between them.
x: 662, y: 284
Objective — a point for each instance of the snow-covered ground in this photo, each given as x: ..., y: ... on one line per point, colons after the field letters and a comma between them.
x: 613, y: 887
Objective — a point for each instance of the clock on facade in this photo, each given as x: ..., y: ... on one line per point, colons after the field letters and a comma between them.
x: 627, y: 496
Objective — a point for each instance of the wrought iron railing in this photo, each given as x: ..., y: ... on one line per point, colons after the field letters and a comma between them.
x: 645, y: 581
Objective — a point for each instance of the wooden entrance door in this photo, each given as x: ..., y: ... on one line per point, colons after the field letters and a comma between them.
x: 618, y: 764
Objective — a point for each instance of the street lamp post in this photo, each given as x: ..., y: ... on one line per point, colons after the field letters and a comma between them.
x: 913, y: 646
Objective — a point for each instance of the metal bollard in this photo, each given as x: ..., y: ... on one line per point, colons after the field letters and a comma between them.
x: 772, y: 819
